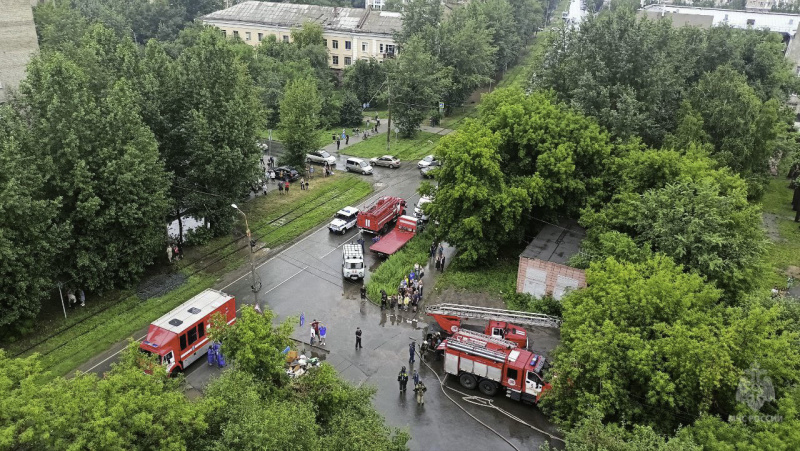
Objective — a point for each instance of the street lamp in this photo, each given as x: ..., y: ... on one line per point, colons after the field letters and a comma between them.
x: 256, y: 285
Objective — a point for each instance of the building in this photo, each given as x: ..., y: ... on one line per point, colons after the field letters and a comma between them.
x: 542, y: 265
x: 18, y: 43
x: 350, y: 33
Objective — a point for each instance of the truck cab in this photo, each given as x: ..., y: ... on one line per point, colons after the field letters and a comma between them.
x: 352, y: 262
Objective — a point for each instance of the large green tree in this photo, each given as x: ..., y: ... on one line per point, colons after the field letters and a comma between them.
x: 367, y: 79
x: 300, y: 110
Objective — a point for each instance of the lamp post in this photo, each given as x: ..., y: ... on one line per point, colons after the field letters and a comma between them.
x: 252, y: 262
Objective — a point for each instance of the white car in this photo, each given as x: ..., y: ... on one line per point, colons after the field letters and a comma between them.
x: 418, y: 211
x: 321, y: 157
x: 386, y: 160
x: 427, y: 161
x: 344, y: 220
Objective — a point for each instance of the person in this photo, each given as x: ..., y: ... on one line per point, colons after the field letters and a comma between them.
x: 310, y: 171
x: 323, y: 331
x: 272, y: 176
x: 169, y: 253
x: 441, y: 265
x: 338, y: 143
x: 796, y: 203
x: 280, y: 187
x: 265, y: 187
x: 433, y: 249
x: 394, y: 302
x: 414, y: 301
x: 82, y: 297
x: 302, y: 183
x: 383, y: 299
x: 420, y: 390
x: 71, y: 298
x: 412, y: 349
x: 346, y: 139
x: 358, y: 338
x: 361, y: 242
x: 441, y: 249
x: 271, y: 162
x: 415, y: 377
x: 306, y: 185
x: 406, y: 302
x: 176, y: 253
x: 438, y: 261
x: 313, y: 336
x: 333, y: 136
x: 287, y: 186
x: 423, y: 348
x: 403, y: 379
x: 419, y: 287
x: 315, y: 326
x: 363, y: 292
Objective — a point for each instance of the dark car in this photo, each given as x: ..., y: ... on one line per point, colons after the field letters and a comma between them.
x: 430, y: 170
x: 284, y: 172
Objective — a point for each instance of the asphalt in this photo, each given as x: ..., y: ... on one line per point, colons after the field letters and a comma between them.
x: 306, y: 278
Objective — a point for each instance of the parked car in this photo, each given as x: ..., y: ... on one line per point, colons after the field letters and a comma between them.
x: 428, y: 171
x: 386, y: 160
x: 344, y: 220
x: 357, y: 165
x: 427, y: 161
x: 283, y: 172
x: 419, y: 210
x: 320, y: 157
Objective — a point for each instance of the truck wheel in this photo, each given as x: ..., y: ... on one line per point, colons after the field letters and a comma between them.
x: 468, y: 381
x: 487, y: 387
x: 176, y: 372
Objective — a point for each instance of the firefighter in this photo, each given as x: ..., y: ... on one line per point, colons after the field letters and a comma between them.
x: 403, y: 379
x: 420, y: 390
x: 412, y: 348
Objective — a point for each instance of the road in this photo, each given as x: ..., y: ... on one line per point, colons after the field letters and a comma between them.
x: 306, y: 277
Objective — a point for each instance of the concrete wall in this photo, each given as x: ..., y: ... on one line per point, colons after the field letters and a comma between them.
x: 540, y: 278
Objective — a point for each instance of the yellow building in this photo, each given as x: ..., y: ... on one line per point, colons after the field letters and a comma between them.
x: 350, y: 33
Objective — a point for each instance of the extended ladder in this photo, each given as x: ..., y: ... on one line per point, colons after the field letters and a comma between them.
x: 494, y: 314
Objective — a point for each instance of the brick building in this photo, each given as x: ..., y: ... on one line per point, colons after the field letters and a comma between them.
x: 542, y: 265
x: 18, y: 42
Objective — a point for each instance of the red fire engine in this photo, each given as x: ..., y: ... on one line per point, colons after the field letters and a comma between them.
x: 491, y: 363
x: 450, y: 317
x: 179, y: 337
x: 377, y: 218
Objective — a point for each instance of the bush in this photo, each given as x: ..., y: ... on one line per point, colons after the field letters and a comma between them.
x: 527, y: 303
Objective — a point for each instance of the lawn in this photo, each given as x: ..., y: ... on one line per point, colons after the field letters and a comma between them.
x: 458, y: 115
x: 274, y: 220
x: 785, y: 252
x: 498, y: 279
x: 404, y: 149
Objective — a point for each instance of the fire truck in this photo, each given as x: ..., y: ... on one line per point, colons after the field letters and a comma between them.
x: 503, y: 324
x: 492, y: 364
x: 180, y: 337
x: 393, y: 241
x: 379, y: 216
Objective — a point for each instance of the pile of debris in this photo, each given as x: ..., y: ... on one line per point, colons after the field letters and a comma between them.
x: 298, y: 365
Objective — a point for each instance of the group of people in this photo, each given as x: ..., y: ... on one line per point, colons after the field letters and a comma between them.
x: 327, y: 169
x: 283, y: 186
x: 419, y: 386
x: 72, y: 299
x: 318, y: 332
x: 437, y: 250
x: 409, y: 293
x: 174, y: 252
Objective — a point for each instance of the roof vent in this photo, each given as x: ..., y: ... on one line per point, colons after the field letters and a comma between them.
x: 194, y: 310
x: 175, y: 322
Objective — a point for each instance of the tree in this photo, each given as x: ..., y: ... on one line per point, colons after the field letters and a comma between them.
x: 29, y: 231
x: 416, y: 81
x: 418, y: 15
x: 300, y: 109
x: 366, y: 78
x: 351, y: 113
x: 497, y: 16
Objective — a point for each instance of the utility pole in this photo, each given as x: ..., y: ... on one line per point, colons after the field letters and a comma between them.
x: 389, y: 121
x: 256, y: 284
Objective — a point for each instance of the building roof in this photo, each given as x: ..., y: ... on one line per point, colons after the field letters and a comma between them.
x: 18, y: 42
x: 779, y: 22
x: 291, y: 15
x: 192, y: 311
x: 556, y: 243
x: 680, y: 20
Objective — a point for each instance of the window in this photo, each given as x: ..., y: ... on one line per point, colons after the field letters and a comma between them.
x: 224, y: 33
x: 751, y: 22
x: 348, y: 61
x: 235, y: 34
x: 260, y: 37
x: 286, y: 39
x: 511, y: 373
x: 247, y: 36
x: 183, y: 342
x: 348, y: 45
x: 201, y: 330
x: 192, y: 336
x: 335, y: 44
x: 363, y: 46
x: 381, y: 48
x: 335, y: 59
x: 325, y: 42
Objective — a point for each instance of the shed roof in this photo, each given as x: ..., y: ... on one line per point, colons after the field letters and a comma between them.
x: 556, y: 243
x: 292, y: 15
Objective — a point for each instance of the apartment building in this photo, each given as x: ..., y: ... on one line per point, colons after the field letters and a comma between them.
x: 350, y: 33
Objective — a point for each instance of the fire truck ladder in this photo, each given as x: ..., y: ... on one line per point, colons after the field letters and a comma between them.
x: 477, y: 349
x: 495, y: 314
x: 466, y: 335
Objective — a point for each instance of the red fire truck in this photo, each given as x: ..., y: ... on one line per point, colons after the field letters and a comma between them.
x: 392, y: 242
x: 492, y: 364
x: 501, y: 323
x: 179, y: 337
x: 378, y: 217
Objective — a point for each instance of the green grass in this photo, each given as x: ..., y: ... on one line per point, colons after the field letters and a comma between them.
x: 781, y: 255
x: 404, y: 149
x: 457, y: 116
x: 498, y: 279
x: 391, y: 272
x: 77, y: 345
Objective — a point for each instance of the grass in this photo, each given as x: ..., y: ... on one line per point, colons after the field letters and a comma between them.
x: 781, y: 255
x: 404, y: 149
x: 391, y: 272
x: 498, y: 279
x: 458, y: 115
x: 73, y: 347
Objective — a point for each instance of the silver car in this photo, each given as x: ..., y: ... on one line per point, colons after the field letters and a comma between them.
x: 321, y: 157
x: 386, y: 160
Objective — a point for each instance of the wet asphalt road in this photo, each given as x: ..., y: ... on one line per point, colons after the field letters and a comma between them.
x: 306, y: 278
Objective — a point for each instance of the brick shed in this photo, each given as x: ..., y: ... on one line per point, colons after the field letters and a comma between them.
x: 542, y: 266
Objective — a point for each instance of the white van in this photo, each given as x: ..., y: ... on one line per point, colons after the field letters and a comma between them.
x: 352, y: 261
x: 344, y: 220
x: 358, y: 165
x: 418, y: 211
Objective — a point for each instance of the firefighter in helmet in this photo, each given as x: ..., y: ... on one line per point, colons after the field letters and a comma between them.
x: 403, y: 379
x: 420, y: 390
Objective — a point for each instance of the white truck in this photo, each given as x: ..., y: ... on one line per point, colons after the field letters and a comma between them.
x: 352, y: 261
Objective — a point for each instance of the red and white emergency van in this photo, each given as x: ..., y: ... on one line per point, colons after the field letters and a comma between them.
x: 181, y: 336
